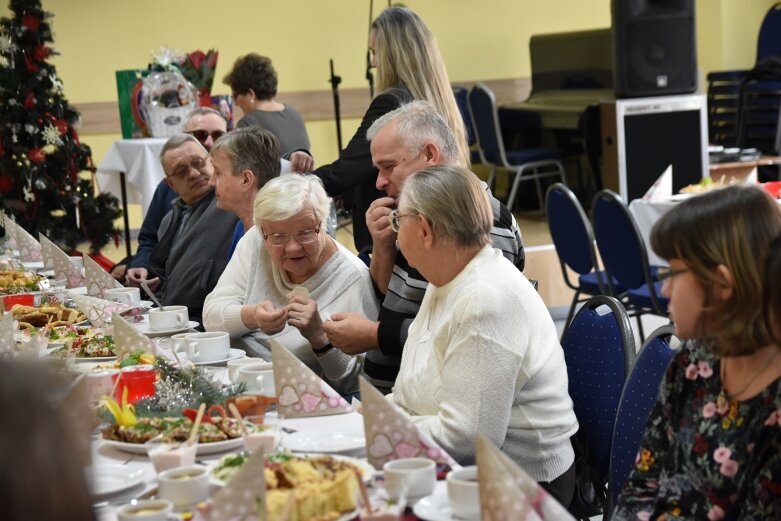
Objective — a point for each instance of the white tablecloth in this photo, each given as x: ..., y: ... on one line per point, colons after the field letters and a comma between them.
x: 140, y: 160
x: 646, y: 213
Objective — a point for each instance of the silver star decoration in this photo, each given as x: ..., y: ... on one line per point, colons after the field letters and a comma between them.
x: 28, y: 194
x: 51, y: 135
x: 56, y: 83
x: 7, y: 45
x: 31, y: 129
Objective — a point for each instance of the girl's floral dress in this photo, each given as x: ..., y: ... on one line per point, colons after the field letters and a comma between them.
x: 699, y: 460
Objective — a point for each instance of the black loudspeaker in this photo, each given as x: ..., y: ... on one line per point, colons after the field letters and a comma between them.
x: 654, y: 47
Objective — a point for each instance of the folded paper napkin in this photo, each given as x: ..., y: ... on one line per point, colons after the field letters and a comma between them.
x: 244, y: 494
x: 99, y: 311
x: 56, y: 259
x: 7, y: 342
x: 508, y: 493
x: 390, y: 434
x: 662, y: 189
x: 300, y: 392
x: 10, y: 231
x: 29, y: 248
x: 98, y: 279
x: 128, y: 339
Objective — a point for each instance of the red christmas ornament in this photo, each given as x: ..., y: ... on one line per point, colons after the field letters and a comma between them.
x: 29, y: 101
x: 62, y: 126
x: 41, y: 52
x: 32, y: 67
x: 36, y: 155
x: 30, y: 22
x: 6, y: 183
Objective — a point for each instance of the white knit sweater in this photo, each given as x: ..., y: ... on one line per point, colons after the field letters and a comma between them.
x: 342, y: 284
x: 483, y: 356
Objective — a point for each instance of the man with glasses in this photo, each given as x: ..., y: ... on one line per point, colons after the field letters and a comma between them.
x: 404, y: 141
x: 194, y: 237
x: 206, y: 125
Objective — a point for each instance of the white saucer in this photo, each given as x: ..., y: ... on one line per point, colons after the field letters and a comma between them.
x: 105, y: 480
x: 329, y: 442
x: 146, y: 329
x: 235, y: 353
x: 435, y: 507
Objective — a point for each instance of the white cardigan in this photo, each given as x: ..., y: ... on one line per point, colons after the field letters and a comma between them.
x: 342, y: 284
x: 483, y: 356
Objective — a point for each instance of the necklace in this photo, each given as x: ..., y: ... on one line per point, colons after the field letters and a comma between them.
x: 724, y: 397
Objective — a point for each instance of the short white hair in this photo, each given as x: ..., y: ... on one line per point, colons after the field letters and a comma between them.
x: 285, y: 196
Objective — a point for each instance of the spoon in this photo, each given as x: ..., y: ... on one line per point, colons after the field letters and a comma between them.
x: 152, y: 296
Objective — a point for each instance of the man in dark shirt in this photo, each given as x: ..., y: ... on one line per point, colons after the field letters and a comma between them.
x: 404, y: 141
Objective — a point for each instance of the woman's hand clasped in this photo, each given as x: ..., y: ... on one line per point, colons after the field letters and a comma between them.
x: 303, y: 315
x: 269, y: 319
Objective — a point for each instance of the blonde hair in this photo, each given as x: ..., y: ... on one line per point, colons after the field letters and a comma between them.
x: 407, y: 54
x: 453, y: 200
x: 284, y: 196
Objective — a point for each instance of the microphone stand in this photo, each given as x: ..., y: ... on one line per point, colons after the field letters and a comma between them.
x: 335, y: 81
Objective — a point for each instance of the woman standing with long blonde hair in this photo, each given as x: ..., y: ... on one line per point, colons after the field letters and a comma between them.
x: 409, y: 66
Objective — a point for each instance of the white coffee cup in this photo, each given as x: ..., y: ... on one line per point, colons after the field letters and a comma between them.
x: 174, y: 317
x: 207, y: 347
x: 184, y: 486
x: 238, y: 363
x: 123, y: 295
x: 258, y: 377
x: 411, y: 477
x: 177, y: 342
x: 464, y: 493
x: 146, y: 510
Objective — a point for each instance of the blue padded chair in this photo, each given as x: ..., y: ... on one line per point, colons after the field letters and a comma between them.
x: 625, y: 258
x: 462, y: 100
x: 637, y: 400
x: 528, y: 164
x: 599, y: 349
x: 573, y: 239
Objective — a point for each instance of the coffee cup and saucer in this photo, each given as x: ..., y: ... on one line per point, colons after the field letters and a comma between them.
x: 211, y: 347
x: 461, y: 500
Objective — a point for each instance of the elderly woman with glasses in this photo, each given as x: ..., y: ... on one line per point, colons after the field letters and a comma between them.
x: 482, y: 355
x: 287, y: 276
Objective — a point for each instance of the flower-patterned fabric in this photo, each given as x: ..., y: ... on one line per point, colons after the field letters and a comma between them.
x: 701, y: 461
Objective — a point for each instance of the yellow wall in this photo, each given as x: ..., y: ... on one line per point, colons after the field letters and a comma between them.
x: 485, y: 39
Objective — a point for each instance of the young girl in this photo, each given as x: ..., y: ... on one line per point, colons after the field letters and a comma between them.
x: 712, y: 444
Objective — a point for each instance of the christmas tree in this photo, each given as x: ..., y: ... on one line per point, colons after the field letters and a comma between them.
x: 41, y: 156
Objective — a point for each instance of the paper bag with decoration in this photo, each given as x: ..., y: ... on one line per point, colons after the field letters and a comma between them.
x: 59, y: 261
x: 507, y: 492
x: 300, y: 392
x: 98, y: 279
x: 244, y: 495
x: 390, y: 434
x: 29, y: 248
x: 128, y: 339
x: 100, y: 311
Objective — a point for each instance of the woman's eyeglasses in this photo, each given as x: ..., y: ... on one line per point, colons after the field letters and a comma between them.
x: 302, y: 237
x: 395, y: 219
x: 664, y: 273
x: 203, y: 135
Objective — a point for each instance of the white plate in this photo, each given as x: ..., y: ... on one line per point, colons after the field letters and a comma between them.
x: 328, y: 442
x: 681, y: 197
x: 33, y: 265
x: 435, y: 507
x: 146, y: 329
x: 203, y: 448
x: 81, y: 359
x: 81, y: 290
x: 111, y: 479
